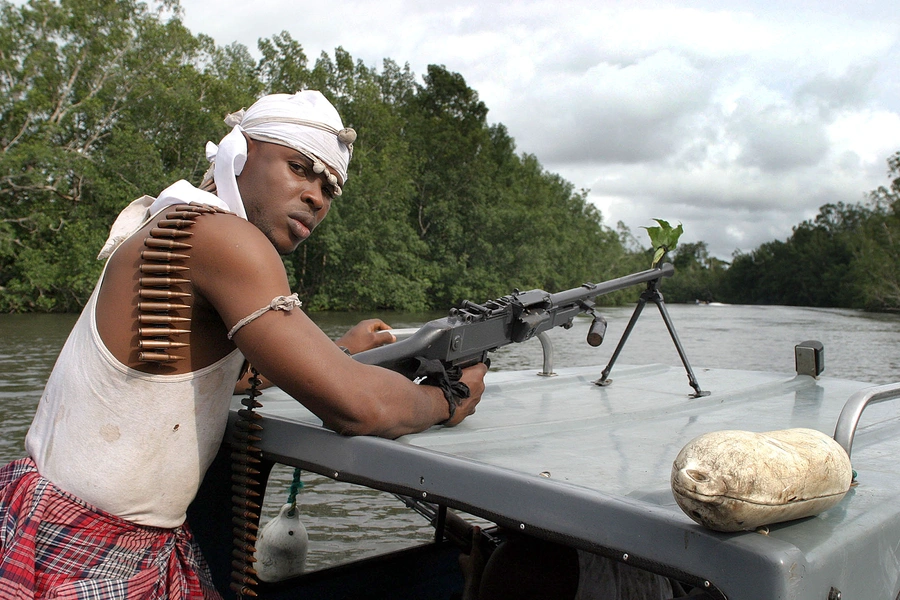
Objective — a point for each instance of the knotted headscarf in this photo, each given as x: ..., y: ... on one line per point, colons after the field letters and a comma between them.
x: 305, y: 121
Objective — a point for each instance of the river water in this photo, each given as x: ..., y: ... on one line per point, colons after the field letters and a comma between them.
x: 347, y: 522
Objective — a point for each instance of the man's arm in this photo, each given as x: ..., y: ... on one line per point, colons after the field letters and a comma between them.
x: 365, y: 335
x: 237, y: 270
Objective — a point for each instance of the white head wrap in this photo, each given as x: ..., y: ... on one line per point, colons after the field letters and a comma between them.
x: 305, y: 121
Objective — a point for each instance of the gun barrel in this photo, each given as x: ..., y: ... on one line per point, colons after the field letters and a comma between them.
x: 459, y: 341
x: 613, y: 285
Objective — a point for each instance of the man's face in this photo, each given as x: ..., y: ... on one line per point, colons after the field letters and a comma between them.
x: 282, y: 195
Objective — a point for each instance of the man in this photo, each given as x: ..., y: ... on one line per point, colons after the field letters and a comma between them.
x: 137, y: 403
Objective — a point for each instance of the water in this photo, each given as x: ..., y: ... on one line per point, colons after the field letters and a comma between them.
x: 347, y: 522
x: 29, y: 345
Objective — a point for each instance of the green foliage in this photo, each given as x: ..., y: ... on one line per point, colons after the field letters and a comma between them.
x: 877, y: 252
x: 815, y: 267
x: 106, y: 100
x: 697, y: 276
x: 102, y: 101
x: 663, y: 239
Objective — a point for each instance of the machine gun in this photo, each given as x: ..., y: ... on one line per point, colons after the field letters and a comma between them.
x: 468, y: 333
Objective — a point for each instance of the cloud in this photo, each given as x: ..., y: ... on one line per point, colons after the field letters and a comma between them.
x: 851, y: 89
x: 614, y: 112
x: 739, y: 119
x: 779, y: 139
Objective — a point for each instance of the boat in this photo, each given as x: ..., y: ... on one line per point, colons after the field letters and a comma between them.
x: 582, y: 457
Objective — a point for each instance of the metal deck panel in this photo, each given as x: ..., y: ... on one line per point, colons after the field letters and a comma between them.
x: 608, y: 452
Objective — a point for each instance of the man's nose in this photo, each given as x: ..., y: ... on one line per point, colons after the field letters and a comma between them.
x: 314, y: 196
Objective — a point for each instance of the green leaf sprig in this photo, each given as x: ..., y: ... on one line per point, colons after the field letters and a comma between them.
x: 663, y: 239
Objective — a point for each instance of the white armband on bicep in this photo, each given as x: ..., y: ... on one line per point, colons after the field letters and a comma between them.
x: 285, y: 303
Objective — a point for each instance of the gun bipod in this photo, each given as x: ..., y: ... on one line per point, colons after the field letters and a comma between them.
x: 652, y: 294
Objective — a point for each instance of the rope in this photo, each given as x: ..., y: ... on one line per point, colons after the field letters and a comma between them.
x: 296, y: 486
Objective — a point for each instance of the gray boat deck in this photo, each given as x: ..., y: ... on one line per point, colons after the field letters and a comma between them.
x: 567, y: 460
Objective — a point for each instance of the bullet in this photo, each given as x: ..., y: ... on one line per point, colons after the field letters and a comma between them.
x: 170, y: 233
x: 244, y: 547
x: 243, y: 512
x: 243, y: 535
x: 249, y: 415
x: 162, y: 256
x: 161, y: 331
x: 243, y: 556
x: 183, y: 214
x: 240, y: 577
x: 152, y: 242
x: 244, y: 436
x: 238, y: 566
x: 161, y: 306
x: 243, y: 480
x: 151, y: 268
x: 165, y: 294
x: 161, y: 319
x: 243, y: 469
x: 201, y: 208
x: 176, y: 223
x: 242, y: 590
x: 244, y: 502
x: 240, y: 457
x: 158, y: 357
x: 162, y: 281
x: 238, y: 522
x: 244, y: 491
x: 159, y: 344
x: 247, y: 426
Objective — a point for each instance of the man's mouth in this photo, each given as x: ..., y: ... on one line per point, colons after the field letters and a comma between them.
x: 302, y: 225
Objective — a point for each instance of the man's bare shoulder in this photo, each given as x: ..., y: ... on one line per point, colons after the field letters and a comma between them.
x: 217, y: 233
x: 234, y: 266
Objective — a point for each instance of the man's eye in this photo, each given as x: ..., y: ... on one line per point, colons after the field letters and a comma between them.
x: 298, y: 168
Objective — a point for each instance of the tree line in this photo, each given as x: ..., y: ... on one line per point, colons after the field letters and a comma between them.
x: 846, y: 256
x: 102, y: 101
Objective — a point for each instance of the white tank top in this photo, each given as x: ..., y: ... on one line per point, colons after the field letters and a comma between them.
x: 133, y: 444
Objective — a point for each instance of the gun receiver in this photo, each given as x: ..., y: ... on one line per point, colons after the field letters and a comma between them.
x: 468, y: 333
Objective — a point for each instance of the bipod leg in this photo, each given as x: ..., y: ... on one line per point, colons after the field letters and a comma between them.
x: 604, y: 376
x: 657, y: 298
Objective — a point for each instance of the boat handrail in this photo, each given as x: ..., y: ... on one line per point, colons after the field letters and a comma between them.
x: 854, y: 407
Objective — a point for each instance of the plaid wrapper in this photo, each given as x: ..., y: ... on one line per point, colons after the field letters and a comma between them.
x: 56, y: 546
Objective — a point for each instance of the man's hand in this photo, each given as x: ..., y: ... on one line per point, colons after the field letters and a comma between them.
x: 474, y: 378
x: 365, y: 335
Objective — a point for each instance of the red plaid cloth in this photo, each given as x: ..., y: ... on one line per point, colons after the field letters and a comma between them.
x: 53, y: 545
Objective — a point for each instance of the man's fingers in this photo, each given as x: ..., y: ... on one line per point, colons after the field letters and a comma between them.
x: 385, y: 337
x: 379, y: 325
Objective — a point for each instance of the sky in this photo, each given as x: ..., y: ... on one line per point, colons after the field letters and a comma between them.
x: 736, y: 119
